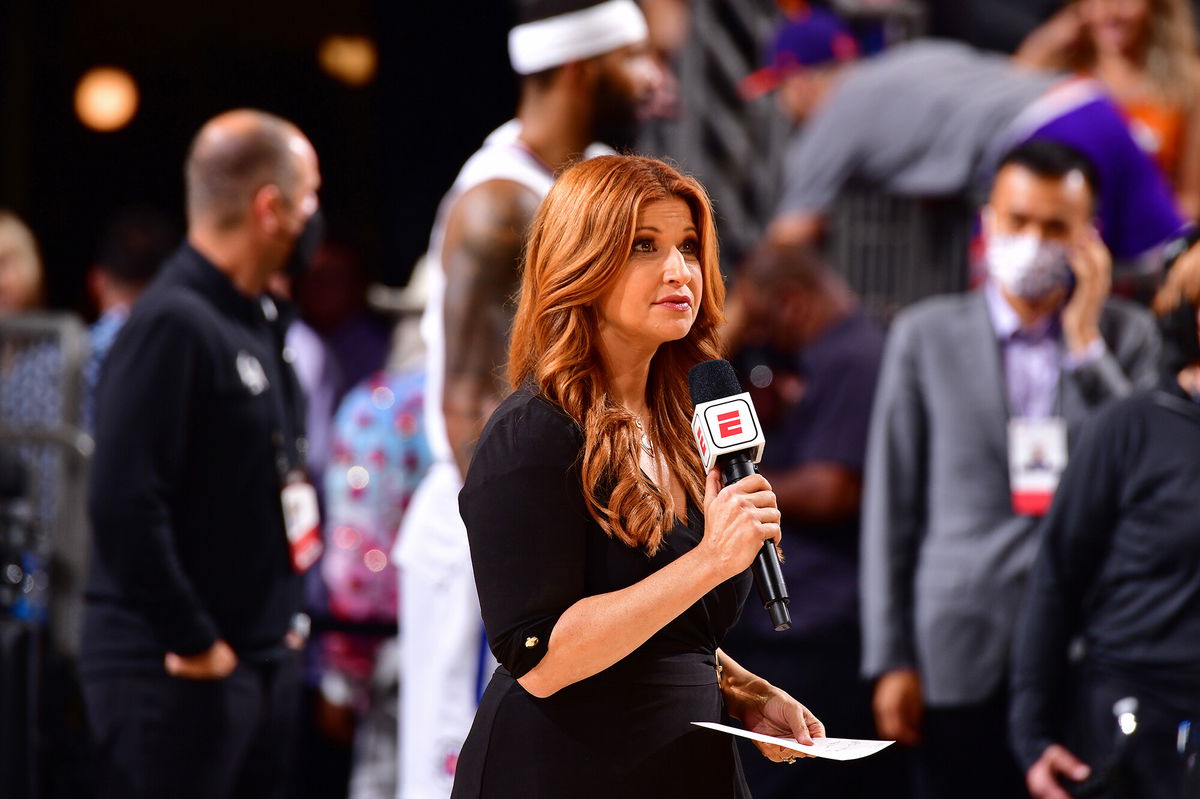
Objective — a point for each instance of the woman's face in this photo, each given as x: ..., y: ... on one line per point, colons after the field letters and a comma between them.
x: 1116, y: 26
x: 657, y: 296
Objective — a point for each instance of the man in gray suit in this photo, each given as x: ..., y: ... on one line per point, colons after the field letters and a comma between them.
x: 948, y: 534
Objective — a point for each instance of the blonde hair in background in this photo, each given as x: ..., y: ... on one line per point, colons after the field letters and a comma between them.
x: 20, y: 266
x: 1171, y: 56
x: 578, y: 246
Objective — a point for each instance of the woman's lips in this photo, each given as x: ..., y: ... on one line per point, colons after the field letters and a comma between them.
x: 676, y: 302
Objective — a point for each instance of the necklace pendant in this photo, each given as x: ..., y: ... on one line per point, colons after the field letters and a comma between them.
x: 646, y: 445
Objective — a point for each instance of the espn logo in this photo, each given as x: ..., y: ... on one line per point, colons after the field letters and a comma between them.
x: 731, y: 422
x: 727, y: 425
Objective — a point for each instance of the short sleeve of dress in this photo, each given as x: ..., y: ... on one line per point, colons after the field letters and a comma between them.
x: 527, y: 525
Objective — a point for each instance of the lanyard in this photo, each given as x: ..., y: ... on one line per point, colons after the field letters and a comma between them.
x: 290, y: 451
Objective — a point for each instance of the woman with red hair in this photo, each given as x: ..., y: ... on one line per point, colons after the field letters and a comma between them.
x: 609, y: 566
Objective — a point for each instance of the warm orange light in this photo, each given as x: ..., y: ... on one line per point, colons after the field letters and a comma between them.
x: 106, y: 98
x: 350, y: 59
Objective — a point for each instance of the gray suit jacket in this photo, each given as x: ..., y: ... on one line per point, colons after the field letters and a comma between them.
x: 944, y: 559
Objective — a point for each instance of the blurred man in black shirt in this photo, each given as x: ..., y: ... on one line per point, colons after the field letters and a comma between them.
x: 1119, y: 572
x: 190, y: 688
x: 815, y: 403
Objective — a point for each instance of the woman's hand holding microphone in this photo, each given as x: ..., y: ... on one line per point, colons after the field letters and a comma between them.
x: 737, y: 520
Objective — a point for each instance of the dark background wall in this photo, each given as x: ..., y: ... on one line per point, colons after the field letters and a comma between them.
x: 388, y: 150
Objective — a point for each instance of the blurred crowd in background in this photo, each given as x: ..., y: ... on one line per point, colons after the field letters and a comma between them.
x: 849, y: 147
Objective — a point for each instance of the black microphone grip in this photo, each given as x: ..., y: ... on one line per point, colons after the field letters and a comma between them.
x: 768, y: 577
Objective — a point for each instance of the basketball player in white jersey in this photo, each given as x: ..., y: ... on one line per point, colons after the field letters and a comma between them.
x: 587, y: 73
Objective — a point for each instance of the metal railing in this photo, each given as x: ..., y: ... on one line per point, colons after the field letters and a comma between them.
x: 43, y: 544
x: 892, y: 250
x: 41, y: 395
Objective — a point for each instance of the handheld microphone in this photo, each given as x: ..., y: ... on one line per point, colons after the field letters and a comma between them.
x: 728, y: 434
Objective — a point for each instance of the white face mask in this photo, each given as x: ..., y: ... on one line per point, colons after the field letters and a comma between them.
x: 1026, y: 266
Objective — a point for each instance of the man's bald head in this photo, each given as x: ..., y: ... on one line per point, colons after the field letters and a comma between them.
x: 236, y: 154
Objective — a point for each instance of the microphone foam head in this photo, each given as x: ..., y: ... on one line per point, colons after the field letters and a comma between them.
x: 712, y: 380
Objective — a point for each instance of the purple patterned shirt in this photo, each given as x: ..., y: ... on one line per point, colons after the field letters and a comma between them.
x: 1032, y: 358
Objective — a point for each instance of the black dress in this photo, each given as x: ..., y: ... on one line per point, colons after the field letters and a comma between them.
x: 626, y: 731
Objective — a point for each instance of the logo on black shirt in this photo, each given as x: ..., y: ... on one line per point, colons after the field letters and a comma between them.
x: 251, y: 372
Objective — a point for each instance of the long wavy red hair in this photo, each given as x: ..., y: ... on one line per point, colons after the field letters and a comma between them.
x: 578, y: 246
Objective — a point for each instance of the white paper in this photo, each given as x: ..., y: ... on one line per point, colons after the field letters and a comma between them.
x: 830, y: 748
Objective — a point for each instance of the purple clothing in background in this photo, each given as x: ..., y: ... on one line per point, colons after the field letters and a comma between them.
x: 1032, y: 358
x: 929, y: 118
x: 828, y: 424
x: 328, y: 366
x: 1137, y: 211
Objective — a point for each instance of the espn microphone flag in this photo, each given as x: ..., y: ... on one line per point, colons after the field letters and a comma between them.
x: 728, y: 436
x: 725, y: 425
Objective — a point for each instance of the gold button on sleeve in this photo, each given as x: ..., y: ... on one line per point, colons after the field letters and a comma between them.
x: 531, y: 642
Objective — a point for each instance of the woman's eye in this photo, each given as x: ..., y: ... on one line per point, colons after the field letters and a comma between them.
x: 643, y: 245
x: 690, y: 247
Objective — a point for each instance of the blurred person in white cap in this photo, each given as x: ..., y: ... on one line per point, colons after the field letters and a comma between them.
x: 587, y: 79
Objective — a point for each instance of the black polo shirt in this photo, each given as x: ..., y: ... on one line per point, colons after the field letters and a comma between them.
x: 199, y: 417
x: 1119, y: 566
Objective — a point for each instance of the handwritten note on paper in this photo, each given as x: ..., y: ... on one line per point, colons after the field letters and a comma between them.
x: 830, y: 748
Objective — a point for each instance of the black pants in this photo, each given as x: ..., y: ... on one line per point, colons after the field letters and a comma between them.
x: 1154, y: 761
x: 964, y: 753
x: 159, y: 736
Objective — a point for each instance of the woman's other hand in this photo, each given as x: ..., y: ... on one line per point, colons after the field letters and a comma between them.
x: 782, y: 716
x: 765, y: 709
x: 737, y: 520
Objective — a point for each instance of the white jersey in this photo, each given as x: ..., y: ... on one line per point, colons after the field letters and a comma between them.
x: 444, y: 658
x: 500, y: 158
